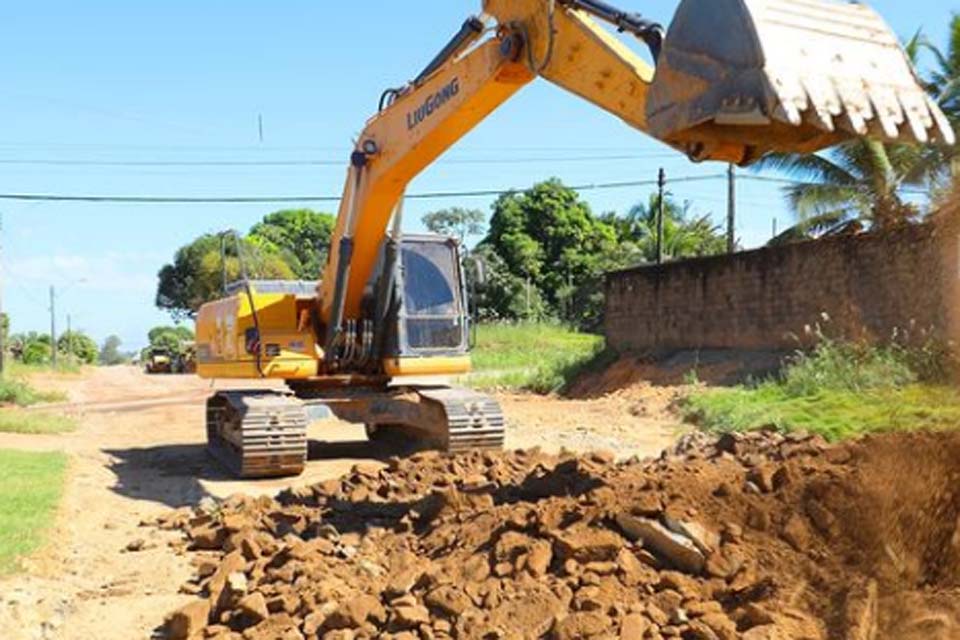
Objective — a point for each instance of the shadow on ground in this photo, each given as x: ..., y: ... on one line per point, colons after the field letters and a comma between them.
x: 174, y: 475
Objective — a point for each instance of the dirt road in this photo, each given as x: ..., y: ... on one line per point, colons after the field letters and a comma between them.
x: 139, y: 451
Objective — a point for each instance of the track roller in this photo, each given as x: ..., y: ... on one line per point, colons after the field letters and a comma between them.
x: 257, y: 434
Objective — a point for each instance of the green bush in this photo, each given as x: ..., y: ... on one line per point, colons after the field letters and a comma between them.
x: 36, y: 353
x: 80, y: 346
x: 845, y: 366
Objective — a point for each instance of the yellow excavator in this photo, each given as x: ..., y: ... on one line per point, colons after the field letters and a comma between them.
x: 730, y: 81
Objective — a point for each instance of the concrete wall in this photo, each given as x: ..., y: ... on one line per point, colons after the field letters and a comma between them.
x: 868, y: 284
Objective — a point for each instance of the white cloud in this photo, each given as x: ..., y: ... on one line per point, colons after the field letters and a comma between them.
x: 114, y: 271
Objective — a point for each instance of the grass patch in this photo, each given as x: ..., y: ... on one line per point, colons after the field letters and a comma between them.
x: 30, y: 488
x: 15, y: 368
x: 35, y: 422
x: 835, y: 414
x: 840, y: 390
x: 21, y: 393
x: 541, y: 358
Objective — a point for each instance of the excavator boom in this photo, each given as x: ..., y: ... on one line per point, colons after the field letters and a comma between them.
x: 732, y: 80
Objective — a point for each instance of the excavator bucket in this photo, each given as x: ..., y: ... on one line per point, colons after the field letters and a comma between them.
x: 737, y: 79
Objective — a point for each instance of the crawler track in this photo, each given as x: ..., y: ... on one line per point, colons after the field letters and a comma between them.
x: 474, y: 420
x: 257, y: 434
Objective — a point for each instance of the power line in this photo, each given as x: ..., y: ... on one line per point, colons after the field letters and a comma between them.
x: 789, y: 182
x: 313, y: 162
x: 437, y: 195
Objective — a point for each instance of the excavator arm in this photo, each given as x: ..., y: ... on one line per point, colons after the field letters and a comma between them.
x: 732, y: 82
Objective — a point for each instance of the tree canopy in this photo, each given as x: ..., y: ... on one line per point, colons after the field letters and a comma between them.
x: 196, y: 274
x: 170, y: 338
x: 685, y: 234
x: 456, y: 222
x: 548, y: 237
x: 31, y: 347
x: 110, y: 354
x: 285, y: 245
x: 301, y: 236
x: 78, y: 344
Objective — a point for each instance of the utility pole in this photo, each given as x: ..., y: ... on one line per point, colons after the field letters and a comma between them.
x: 776, y: 231
x: 661, y: 185
x: 53, y: 328
x: 731, y: 208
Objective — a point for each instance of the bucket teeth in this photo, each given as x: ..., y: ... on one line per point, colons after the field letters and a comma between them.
x: 821, y: 71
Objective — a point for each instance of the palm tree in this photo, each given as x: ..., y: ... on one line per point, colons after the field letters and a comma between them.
x: 944, y: 80
x: 685, y: 235
x: 859, y: 183
x: 852, y: 185
x: 943, y: 83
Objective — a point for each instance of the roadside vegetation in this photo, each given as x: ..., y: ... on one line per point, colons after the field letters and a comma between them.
x: 536, y: 357
x: 35, y: 422
x: 17, y: 394
x: 16, y: 391
x: 30, y: 488
x: 840, y: 389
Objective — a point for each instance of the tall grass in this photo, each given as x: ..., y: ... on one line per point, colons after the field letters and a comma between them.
x: 541, y: 358
x: 842, y: 388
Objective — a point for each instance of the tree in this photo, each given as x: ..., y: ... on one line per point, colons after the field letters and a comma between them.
x: 196, y: 277
x: 456, y: 222
x: 943, y: 84
x: 80, y: 345
x: 855, y: 183
x: 169, y: 338
x: 300, y: 236
x: 31, y: 348
x: 500, y: 294
x: 179, y: 332
x: 685, y: 235
x: 548, y: 236
x: 110, y: 352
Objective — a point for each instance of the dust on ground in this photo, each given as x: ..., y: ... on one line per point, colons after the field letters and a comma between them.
x: 139, y: 451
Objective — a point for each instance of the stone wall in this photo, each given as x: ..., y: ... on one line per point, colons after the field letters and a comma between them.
x: 868, y: 285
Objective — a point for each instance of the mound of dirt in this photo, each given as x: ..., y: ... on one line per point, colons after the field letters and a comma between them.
x: 720, y: 367
x: 757, y: 537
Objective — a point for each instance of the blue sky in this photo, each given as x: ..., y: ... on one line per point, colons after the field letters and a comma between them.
x: 178, y: 80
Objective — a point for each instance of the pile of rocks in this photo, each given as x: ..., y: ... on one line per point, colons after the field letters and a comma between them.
x: 717, y: 539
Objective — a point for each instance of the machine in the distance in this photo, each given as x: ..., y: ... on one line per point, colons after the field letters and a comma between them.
x: 732, y: 80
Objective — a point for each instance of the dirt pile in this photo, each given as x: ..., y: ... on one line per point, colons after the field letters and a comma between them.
x: 757, y: 537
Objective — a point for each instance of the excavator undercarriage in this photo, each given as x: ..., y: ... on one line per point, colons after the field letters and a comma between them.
x: 261, y: 434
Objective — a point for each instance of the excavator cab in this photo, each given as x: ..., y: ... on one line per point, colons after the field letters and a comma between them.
x: 431, y: 314
x: 736, y: 79
x: 427, y: 314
